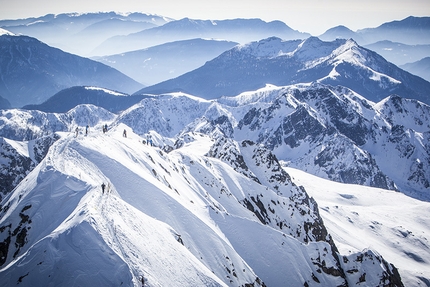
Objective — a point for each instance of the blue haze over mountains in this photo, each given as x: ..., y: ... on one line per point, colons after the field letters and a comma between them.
x: 33, y: 71
x: 259, y: 97
x: 278, y: 62
x: 123, y: 32
x: 170, y: 60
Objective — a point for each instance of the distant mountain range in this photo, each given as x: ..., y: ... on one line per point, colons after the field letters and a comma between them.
x: 279, y: 63
x: 341, y: 32
x: 107, y: 34
x: 32, y: 71
x: 409, y: 31
x: 235, y: 30
x: 159, y: 63
x: 274, y: 61
x: 399, y: 42
x: 398, y: 53
x: 420, y: 68
x: 80, y: 33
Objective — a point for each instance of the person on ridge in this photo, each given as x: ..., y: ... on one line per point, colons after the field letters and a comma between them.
x: 124, y: 133
x: 103, y: 188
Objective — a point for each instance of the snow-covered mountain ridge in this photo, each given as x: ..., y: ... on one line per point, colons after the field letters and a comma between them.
x: 324, y: 130
x: 274, y: 61
x: 178, y: 219
x: 5, y: 32
x: 331, y: 132
x: 214, y: 181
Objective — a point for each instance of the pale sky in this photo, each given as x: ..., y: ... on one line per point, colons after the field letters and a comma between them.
x: 312, y: 16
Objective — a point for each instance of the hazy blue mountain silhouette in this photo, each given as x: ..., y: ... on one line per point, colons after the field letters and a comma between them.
x: 4, y: 104
x: 67, y: 99
x: 81, y: 33
x: 170, y: 60
x: 236, y: 30
x: 33, y: 71
x: 420, y: 68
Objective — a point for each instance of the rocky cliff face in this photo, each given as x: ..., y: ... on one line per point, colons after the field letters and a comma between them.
x: 321, y: 132
x: 19, y: 158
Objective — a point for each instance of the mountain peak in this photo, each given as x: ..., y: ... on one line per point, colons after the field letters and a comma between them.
x: 339, y: 28
x: 340, y: 32
x: 315, y: 49
x: 268, y: 48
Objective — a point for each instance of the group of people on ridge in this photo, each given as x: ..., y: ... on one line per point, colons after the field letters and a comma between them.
x: 148, y: 140
x: 87, y: 130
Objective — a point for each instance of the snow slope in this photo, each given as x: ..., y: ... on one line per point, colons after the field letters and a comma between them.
x: 361, y: 217
x: 177, y: 219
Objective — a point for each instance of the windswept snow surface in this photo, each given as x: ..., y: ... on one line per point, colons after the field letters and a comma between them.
x: 390, y: 222
x: 74, y: 235
x: 174, y: 218
x: 104, y: 232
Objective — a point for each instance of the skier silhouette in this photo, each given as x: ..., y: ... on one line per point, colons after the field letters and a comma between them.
x: 103, y: 188
x: 124, y: 133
